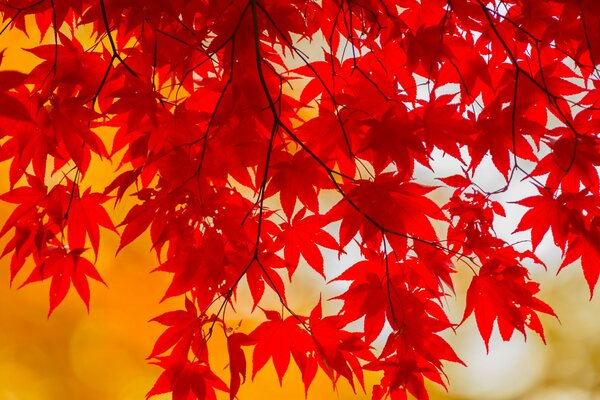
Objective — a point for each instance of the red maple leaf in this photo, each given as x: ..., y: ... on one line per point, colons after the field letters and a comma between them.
x: 572, y: 164
x: 184, y: 332
x: 11, y: 105
x: 587, y: 247
x: 65, y: 267
x: 339, y: 350
x: 504, y: 293
x: 300, y: 237
x: 563, y: 214
x: 237, y: 360
x: 277, y: 339
x: 86, y: 214
x: 389, y: 204
x: 395, y: 138
x: 28, y: 221
x: 366, y: 296
x: 187, y: 381
x: 297, y: 177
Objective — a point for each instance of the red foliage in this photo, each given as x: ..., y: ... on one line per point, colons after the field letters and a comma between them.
x: 231, y: 176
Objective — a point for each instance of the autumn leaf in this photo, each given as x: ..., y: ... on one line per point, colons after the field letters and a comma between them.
x: 65, y: 268
x: 585, y: 247
x: 297, y: 178
x: 184, y: 332
x: 237, y: 360
x: 86, y: 215
x: 187, y: 380
x: 301, y: 237
x: 11, y: 107
x: 339, y: 350
x: 366, y: 297
x: 278, y: 339
x: 387, y: 204
x: 504, y: 293
x: 546, y: 213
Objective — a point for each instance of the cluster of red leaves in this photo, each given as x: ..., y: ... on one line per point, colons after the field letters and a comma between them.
x: 229, y: 173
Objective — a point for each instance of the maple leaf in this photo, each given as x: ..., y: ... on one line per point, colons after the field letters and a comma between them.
x: 184, y: 332
x: 499, y: 136
x: 405, y: 369
x: 67, y: 121
x: 301, y: 237
x: 187, y: 380
x: 237, y: 360
x: 85, y: 215
x: 11, y: 106
x: 415, y: 350
x: 339, y: 350
x: 201, y: 264
x: 78, y: 70
x: 331, y: 148
x: 443, y: 128
x: 395, y: 138
x: 586, y: 246
x: 473, y: 229
x: 37, y: 220
x: 65, y: 268
x: 29, y: 199
x: 297, y: 178
x: 264, y: 273
x: 388, y: 204
x: 366, y: 296
x: 572, y: 163
x: 27, y: 144
x: 559, y: 214
x: 137, y: 221
x: 277, y: 339
x: 504, y: 293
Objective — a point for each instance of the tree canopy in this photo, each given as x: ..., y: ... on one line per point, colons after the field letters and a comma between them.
x: 235, y: 123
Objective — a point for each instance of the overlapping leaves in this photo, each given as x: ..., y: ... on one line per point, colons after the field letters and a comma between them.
x: 234, y: 174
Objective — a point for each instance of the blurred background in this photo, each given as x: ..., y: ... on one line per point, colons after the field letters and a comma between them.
x: 101, y: 355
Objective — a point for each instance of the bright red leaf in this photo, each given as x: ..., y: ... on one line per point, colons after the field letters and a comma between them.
x: 65, y: 268
x: 237, y: 361
x: 278, y: 339
x: 505, y: 294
